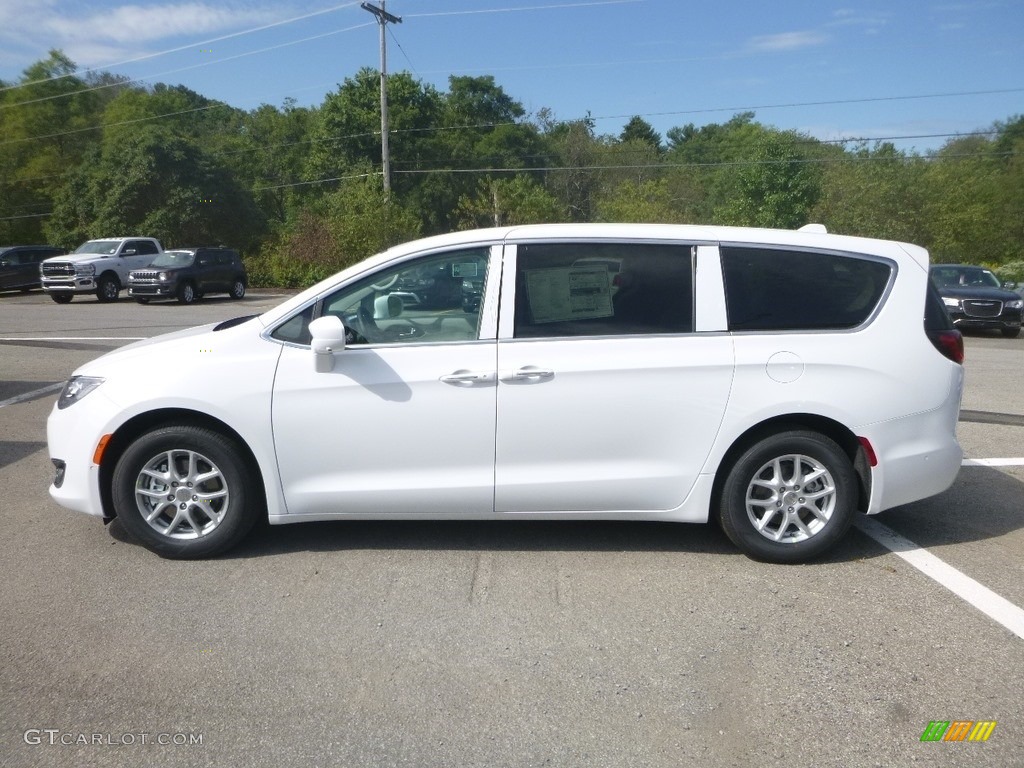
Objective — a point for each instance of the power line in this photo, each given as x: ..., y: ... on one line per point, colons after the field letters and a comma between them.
x: 185, y: 69
x: 559, y: 6
x: 657, y: 166
x: 552, y: 169
x: 112, y: 125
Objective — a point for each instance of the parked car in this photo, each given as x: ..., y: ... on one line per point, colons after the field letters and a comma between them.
x: 19, y: 265
x: 779, y: 382
x: 976, y: 299
x: 188, y: 274
x: 97, y: 266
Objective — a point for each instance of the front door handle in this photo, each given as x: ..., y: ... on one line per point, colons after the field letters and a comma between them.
x: 528, y: 373
x: 468, y: 377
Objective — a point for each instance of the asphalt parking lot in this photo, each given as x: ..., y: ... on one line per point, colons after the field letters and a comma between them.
x: 500, y: 644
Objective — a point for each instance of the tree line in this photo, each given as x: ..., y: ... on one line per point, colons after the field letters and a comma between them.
x: 299, y: 190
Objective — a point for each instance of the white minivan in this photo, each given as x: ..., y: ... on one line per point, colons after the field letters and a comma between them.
x: 776, y: 381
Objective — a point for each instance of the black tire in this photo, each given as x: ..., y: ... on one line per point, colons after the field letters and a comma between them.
x: 62, y: 298
x: 187, y: 293
x: 193, y: 526
x: 237, y: 289
x: 1010, y: 333
x: 796, y: 527
x: 108, y: 289
x: 141, y: 301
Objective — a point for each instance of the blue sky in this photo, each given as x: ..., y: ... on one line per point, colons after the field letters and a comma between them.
x: 830, y: 69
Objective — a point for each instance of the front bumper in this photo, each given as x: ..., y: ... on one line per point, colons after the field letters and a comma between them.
x: 70, y: 284
x: 72, y: 435
x: 149, y: 290
x: 1010, y: 318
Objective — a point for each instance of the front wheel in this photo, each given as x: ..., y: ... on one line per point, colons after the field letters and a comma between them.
x: 237, y: 289
x: 186, y: 293
x: 184, y: 492
x: 789, y: 497
x: 1010, y: 333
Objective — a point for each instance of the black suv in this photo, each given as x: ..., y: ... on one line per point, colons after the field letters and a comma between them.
x: 19, y: 265
x: 975, y: 299
x: 188, y: 274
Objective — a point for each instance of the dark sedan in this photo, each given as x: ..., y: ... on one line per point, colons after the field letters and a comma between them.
x: 975, y: 299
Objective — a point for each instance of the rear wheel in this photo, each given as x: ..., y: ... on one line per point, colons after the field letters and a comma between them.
x: 789, y: 497
x: 141, y: 301
x: 62, y: 298
x: 184, y: 492
x: 108, y: 288
x: 238, y: 289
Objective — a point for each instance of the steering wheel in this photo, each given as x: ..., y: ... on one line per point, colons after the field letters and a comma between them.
x: 387, y: 283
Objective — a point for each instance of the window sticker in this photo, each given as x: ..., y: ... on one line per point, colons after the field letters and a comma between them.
x: 568, y: 293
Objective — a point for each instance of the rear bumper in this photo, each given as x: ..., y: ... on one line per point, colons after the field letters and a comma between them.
x: 918, y: 457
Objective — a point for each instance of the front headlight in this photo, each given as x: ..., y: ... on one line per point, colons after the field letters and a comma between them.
x: 163, y: 276
x: 1018, y: 304
x: 950, y: 302
x: 77, y: 388
x: 85, y: 269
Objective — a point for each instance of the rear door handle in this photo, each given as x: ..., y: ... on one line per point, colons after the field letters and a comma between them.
x: 528, y: 373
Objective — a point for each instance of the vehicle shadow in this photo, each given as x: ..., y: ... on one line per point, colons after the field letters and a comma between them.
x: 984, y: 503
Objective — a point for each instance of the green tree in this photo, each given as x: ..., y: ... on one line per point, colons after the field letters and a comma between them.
x: 154, y: 184
x: 500, y: 202
x: 644, y: 201
x: 45, y: 123
x: 778, y: 185
x: 875, y: 192
x: 639, y: 130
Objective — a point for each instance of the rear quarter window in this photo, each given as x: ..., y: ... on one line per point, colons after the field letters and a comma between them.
x: 776, y: 289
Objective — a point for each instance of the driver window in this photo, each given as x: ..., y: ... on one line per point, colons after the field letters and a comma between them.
x: 431, y: 299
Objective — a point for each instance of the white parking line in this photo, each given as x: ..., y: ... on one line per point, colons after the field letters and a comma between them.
x: 30, y: 395
x: 981, y: 597
x: 993, y: 463
x: 73, y: 338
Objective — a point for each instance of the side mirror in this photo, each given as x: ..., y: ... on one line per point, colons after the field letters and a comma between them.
x: 328, y: 337
x: 4, y: 263
x: 1010, y: 284
x: 128, y: 252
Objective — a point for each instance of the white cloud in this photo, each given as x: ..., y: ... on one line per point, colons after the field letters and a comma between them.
x: 129, y: 24
x: 787, y: 41
x: 97, y: 37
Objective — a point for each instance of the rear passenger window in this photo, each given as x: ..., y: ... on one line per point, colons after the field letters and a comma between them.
x: 603, y: 289
x: 772, y: 289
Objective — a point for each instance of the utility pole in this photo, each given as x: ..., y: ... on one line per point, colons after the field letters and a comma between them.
x: 383, y: 17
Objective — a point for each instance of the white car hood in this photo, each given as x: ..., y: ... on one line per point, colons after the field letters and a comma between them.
x: 186, y: 340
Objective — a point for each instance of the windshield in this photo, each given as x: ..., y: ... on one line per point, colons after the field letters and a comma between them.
x: 173, y: 259
x: 98, y: 246
x: 953, y: 277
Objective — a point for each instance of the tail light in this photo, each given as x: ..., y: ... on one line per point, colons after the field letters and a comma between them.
x: 950, y: 343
